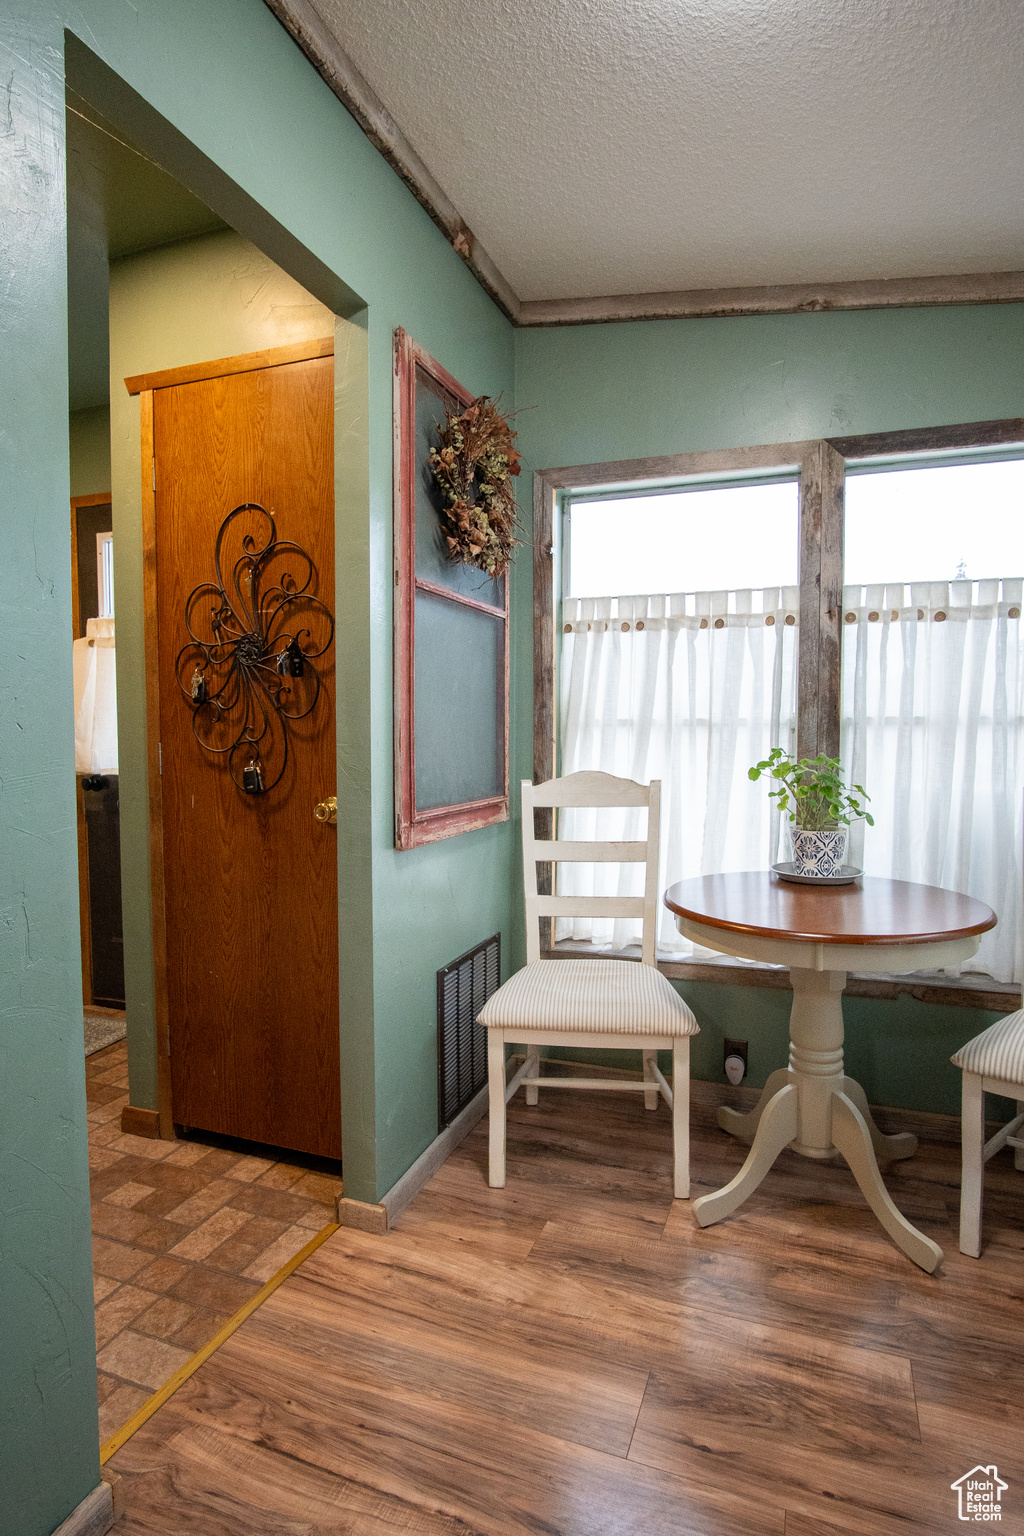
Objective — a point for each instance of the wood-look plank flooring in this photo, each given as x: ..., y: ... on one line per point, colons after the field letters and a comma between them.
x: 183, y: 1235
x: 572, y: 1356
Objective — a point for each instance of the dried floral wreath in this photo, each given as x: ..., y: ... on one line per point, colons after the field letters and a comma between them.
x: 474, y: 467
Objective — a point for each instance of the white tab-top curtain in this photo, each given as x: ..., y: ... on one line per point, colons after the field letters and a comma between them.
x: 690, y: 689
x: 95, y: 699
x: 933, y: 726
x: 693, y: 689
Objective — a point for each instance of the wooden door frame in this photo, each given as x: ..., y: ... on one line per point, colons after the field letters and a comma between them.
x: 145, y: 386
x: 97, y: 499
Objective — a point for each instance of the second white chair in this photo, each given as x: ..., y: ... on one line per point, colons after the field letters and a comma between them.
x: 993, y: 1062
x: 601, y: 1003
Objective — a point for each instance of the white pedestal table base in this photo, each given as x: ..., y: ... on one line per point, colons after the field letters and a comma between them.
x: 816, y: 1110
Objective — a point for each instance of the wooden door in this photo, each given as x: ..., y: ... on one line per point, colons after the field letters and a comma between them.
x: 250, y: 879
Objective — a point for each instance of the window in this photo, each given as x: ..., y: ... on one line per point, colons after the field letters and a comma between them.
x: 105, y: 574
x: 678, y: 662
x: 933, y: 681
x: 682, y: 646
x: 914, y: 522
x: 693, y: 538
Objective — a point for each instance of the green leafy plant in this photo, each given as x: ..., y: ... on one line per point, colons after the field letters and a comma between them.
x: 811, y: 792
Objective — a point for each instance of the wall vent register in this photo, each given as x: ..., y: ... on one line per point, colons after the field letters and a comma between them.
x: 463, y: 986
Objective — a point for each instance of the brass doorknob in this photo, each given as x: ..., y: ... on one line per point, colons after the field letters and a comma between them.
x: 327, y: 810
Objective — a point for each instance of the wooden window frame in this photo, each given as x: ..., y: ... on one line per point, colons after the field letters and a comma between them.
x: 820, y: 465
x: 97, y: 499
x: 414, y: 827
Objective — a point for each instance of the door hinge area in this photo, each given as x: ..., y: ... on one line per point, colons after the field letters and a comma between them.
x: 160, y: 757
x: 154, y: 474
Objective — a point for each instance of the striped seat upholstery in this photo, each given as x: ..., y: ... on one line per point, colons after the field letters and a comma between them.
x: 593, y: 996
x: 997, y: 1052
x: 993, y: 1062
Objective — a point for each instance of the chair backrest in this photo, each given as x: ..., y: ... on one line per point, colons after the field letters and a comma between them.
x: 591, y: 790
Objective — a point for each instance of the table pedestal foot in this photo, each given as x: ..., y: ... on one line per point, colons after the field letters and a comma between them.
x: 814, y: 1108
x: 744, y: 1126
x: 776, y: 1129
x: 852, y: 1135
x: 888, y: 1149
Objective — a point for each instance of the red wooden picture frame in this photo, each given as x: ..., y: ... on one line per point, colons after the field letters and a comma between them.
x: 414, y: 826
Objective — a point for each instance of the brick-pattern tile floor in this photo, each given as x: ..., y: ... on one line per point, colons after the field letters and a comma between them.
x: 182, y: 1234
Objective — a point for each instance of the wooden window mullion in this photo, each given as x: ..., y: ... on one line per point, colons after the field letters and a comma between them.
x: 822, y: 475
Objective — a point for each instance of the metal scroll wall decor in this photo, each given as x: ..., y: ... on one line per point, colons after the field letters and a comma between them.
x: 248, y: 667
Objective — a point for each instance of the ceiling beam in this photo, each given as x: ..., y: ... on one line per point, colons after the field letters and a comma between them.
x: 332, y: 63
x: 317, y: 41
x: 778, y: 299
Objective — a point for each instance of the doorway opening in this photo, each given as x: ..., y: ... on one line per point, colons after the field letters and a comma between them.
x: 195, y: 1207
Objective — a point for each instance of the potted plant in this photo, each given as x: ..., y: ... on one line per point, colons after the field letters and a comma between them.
x: 820, y: 807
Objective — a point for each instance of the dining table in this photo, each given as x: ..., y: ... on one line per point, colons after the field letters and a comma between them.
x: 821, y: 933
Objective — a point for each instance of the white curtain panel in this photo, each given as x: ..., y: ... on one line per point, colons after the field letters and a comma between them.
x: 694, y: 688
x: 690, y: 689
x: 933, y: 726
x: 95, y: 699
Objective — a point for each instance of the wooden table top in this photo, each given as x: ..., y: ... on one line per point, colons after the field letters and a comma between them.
x: 873, y: 911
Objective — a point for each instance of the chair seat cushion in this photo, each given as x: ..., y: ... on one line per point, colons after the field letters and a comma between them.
x: 997, y: 1052
x: 593, y: 996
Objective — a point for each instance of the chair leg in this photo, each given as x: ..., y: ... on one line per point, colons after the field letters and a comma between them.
x: 972, y: 1131
x: 651, y: 1095
x: 532, y: 1070
x: 496, y: 1107
x: 681, y: 1117
x: 1018, y: 1152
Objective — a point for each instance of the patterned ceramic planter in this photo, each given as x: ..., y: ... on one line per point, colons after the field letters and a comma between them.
x: 819, y: 853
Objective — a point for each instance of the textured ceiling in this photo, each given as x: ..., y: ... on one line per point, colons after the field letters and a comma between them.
x: 603, y: 147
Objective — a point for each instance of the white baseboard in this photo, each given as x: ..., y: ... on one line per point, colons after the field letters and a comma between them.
x: 93, y: 1517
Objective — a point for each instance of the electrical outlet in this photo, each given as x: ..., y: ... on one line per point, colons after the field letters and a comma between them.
x: 734, y: 1060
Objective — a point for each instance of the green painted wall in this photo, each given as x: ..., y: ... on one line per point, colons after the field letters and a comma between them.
x: 601, y: 392
x: 217, y: 92
x: 402, y: 915
x: 48, y: 1421
x: 89, y: 438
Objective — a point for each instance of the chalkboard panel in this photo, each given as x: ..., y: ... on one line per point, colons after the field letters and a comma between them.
x: 460, y: 668
x: 451, y: 635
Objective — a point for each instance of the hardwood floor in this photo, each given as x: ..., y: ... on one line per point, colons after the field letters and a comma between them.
x: 573, y: 1356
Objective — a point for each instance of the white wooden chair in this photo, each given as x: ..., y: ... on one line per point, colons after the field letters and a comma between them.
x: 604, y: 1004
x: 993, y: 1062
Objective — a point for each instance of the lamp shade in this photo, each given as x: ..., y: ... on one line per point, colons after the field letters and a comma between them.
x: 95, y: 699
